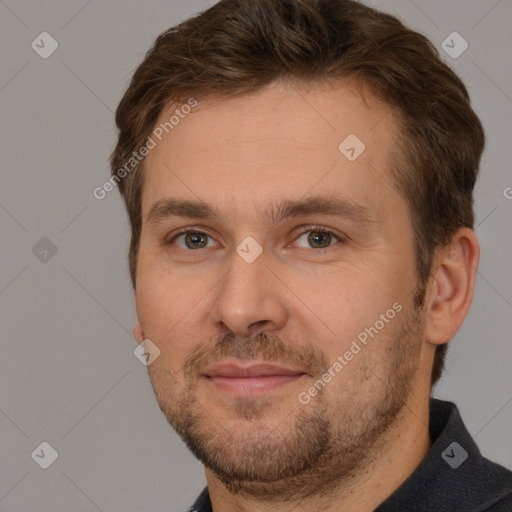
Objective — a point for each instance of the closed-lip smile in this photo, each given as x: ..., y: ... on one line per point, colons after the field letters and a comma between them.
x: 250, y: 378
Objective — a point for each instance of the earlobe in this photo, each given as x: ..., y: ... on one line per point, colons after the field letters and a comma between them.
x: 452, y: 286
x: 137, y: 333
x: 137, y: 329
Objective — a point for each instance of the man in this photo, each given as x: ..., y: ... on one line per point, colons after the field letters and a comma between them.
x: 298, y: 176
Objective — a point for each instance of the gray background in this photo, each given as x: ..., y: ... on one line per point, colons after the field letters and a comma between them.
x: 68, y: 373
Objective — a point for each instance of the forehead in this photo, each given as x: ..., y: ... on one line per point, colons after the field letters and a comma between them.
x: 285, y: 140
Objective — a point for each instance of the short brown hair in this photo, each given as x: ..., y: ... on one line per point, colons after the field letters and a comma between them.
x: 240, y: 46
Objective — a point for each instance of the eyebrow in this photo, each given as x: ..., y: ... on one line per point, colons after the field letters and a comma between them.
x: 334, y: 206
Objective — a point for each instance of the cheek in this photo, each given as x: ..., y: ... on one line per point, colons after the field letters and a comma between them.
x: 159, y: 290
x: 169, y: 307
x: 345, y: 305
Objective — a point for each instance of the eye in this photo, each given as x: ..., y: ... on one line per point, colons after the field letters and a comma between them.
x: 191, y: 240
x: 317, y: 238
x: 311, y: 238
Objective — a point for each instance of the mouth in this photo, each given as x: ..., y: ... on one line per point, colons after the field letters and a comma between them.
x: 252, y: 379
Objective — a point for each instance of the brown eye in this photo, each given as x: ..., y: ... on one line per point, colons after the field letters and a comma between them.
x: 319, y: 239
x: 192, y: 240
x: 196, y: 240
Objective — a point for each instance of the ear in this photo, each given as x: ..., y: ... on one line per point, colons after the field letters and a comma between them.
x: 451, y: 286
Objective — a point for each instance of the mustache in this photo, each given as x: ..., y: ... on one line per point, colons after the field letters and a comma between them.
x: 262, y: 346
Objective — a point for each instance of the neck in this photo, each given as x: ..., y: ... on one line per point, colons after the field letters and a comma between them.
x: 398, y: 454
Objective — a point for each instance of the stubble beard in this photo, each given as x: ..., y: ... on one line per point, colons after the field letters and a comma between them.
x: 318, y: 446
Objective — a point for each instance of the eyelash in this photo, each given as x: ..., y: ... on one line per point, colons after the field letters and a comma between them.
x: 308, y: 229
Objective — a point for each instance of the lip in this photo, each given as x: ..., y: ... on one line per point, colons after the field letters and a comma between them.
x: 232, y: 370
x: 250, y: 380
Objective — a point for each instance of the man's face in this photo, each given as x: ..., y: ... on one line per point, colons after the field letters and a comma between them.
x: 296, y: 296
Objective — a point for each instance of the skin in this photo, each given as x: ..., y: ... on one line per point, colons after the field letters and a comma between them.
x: 364, y: 434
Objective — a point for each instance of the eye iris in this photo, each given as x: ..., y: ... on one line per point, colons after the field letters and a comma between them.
x: 197, y: 240
x: 319, y: 239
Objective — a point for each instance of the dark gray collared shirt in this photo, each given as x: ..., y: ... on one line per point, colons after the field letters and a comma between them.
x: 453, y: 477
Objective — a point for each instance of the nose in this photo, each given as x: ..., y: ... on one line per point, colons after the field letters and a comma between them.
x: 250, y: 299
